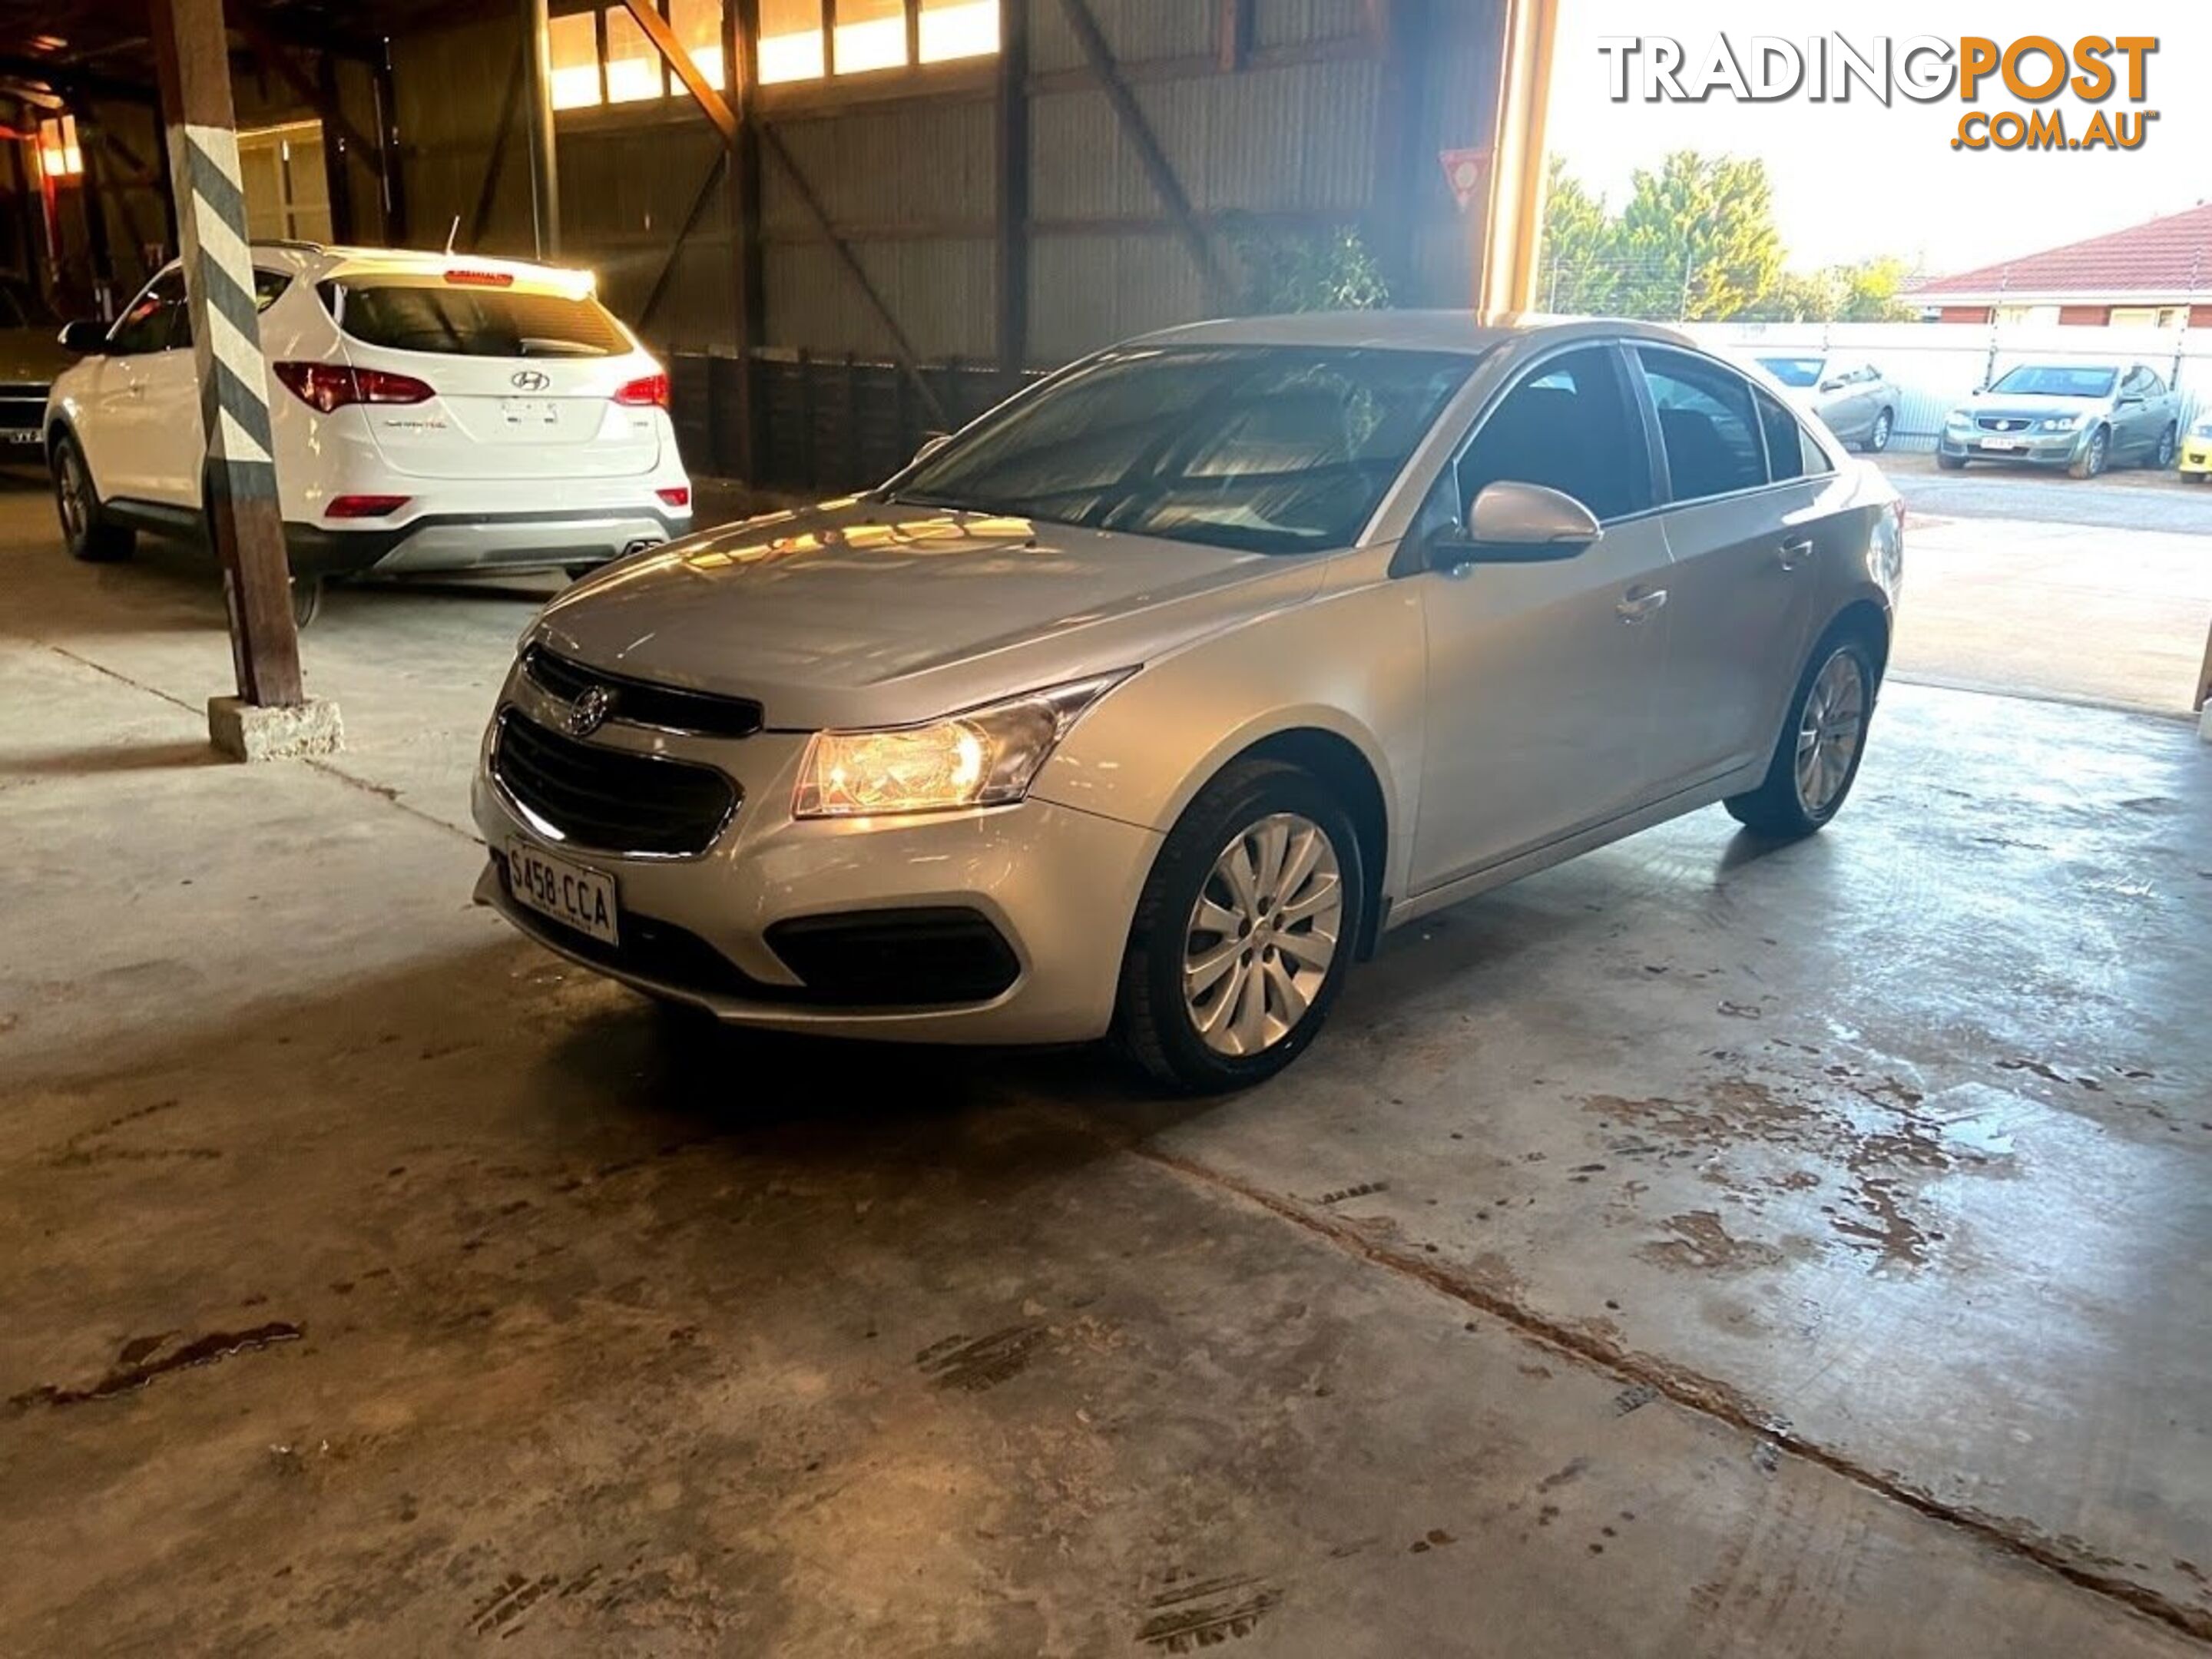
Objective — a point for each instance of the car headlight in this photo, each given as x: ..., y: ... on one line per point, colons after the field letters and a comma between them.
x: 984, y: 758
x: 1958, y: 417
x: 2061, y: 422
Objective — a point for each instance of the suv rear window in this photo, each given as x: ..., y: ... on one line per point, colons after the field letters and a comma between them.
x: 430, y: 315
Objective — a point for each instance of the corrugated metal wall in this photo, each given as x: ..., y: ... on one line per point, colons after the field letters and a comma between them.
x: 908, y: 178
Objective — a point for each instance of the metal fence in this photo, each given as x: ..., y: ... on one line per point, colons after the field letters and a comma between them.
x: 1935, y: 365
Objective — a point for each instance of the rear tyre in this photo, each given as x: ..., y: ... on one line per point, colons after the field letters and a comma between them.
x: 2092, y: 460
x: 1884, y: 425
x: 576, y: 573
x: 1950, y: 463
x: 306, y: 600
x: 1244, y: 933
x: 2168, y: 440
x: 1816, y: 760
x: 87, y: 531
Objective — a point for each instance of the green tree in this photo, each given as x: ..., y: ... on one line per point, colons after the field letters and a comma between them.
x: 1579, y: 270
x: 1697, y: 239
x: 1293, y: 271
x: 1869, y: 292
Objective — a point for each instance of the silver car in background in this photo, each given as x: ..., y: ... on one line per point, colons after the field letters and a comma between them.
x: 1149, y: 702
x: 1852, y: 396
x: 2082, y: 417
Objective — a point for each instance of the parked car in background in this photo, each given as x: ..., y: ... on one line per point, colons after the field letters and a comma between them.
x: 1853, y: 396
x: 1148, y: 701
x: 2082, y: 417
x: 431, y: 413
x: 30, y: 357
x: 2196, y: 452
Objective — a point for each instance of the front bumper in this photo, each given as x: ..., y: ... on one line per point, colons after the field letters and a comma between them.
x: 458, y: 542
x: 1057, y: 884
x: 2196, y: 456
x: 2043, y: 448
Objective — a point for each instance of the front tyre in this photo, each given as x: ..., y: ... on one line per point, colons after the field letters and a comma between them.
x: 1884, y: 425
x: 1950, y: 463
x: 1817, y: 759
x: 2091, y: 461
x: 85, y: 530
x: 1244, y: 933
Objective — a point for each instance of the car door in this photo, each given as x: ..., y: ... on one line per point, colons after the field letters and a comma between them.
x: 1541, y: 676
x: 169, y: 405
x: 113, y: 427
x: 2147, y: 417
x: 1746, y: 538
x: 1837, y: 398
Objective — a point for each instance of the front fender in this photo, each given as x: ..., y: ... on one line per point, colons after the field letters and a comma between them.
x: 1350, y: 662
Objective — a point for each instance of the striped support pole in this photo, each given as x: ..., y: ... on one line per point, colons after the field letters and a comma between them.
x: 191, y: 55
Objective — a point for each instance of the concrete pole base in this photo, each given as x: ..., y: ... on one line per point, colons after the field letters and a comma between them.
x: 248, y: 732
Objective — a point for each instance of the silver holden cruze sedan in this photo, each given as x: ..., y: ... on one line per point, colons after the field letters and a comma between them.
x: 1147, y: 702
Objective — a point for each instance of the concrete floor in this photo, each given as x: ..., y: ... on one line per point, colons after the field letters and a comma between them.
x: 1698, y: 1249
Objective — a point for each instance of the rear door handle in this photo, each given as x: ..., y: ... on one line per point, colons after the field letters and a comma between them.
x: 1793, y: 554
x: 1640, y: 605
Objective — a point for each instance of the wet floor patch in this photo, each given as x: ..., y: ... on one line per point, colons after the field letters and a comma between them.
x: 140, y: 1360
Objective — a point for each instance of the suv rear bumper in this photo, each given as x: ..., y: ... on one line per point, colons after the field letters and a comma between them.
x: 452, y: 543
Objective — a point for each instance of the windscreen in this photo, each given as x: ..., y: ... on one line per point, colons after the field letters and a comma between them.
x: 430, y: 314
x: 2051, y: 380
x: 1793, y: 371
x: 1269, y: 449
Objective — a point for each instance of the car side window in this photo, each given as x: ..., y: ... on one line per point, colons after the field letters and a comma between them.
x: 1785, y: 447
x: 2149, y: 383
x: 150, y: 322
x: 1707, y: 424
x: 1569, y: 425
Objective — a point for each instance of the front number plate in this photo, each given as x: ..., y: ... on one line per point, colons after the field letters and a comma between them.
x: 573, y: 896
x: 2004, y: 443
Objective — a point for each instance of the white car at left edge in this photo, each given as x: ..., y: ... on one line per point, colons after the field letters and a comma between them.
x: 430, y: 413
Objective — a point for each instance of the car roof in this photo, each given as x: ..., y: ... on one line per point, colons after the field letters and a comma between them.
x: 315, y: 260
x: 1402, y: 330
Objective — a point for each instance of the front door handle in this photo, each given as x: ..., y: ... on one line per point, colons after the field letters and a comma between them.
x: 1640, y: 605
x: 1793, y: 554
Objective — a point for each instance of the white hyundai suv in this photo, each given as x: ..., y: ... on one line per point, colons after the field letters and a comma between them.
x: 431, y: 413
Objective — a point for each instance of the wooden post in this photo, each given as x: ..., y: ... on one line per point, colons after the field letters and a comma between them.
x: 1013, y: 252
x: 339, y: 142
x: 748, y: 275
x: 2204, y: 687
x: 390, y: 170
x: 194, y: 66
x: 94, y: 201
x: 1511, y: 233
x: 544, y: 162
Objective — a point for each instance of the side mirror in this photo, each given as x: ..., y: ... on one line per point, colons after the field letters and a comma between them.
x: 1515, y: 523
x: 1833, y: 385
x: 930, y: 445
x: 83, y: 338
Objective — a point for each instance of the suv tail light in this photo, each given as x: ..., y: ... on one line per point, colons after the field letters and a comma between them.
x: 329, y: 386
x: 648, y: 391
x: 676, y: 495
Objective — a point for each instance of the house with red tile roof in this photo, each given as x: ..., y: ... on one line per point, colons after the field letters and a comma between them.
x: 2156, y: 274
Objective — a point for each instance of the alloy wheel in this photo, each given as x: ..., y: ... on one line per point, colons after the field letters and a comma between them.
x: 68, y: 495
x: 1263, y: 934
x: 1829, y: 733
x: 2097, y: 454
x: 1880, y: 440
x: 2166, y: 449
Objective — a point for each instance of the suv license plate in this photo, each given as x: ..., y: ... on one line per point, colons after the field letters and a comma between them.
x: 568, y: 893
x: 530, y: 412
